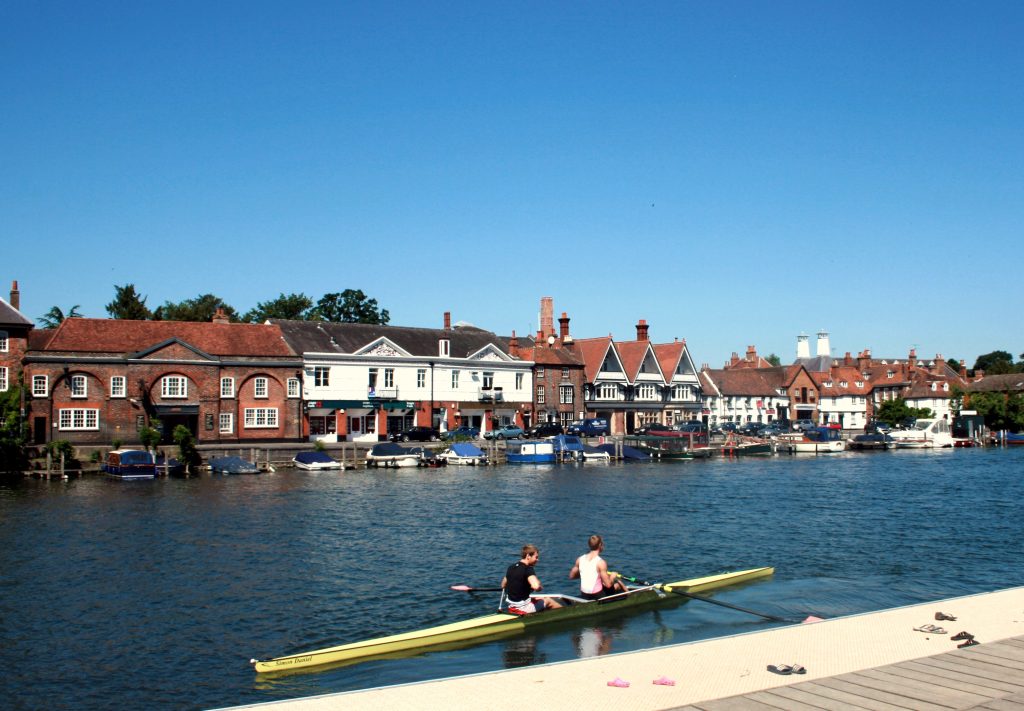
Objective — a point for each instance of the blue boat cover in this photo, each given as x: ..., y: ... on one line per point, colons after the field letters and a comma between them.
x: 627, y: 451
x: 314, y: 458
x: 465, y: 449
x: 568, y: 443
x: 388, y: 449
x: 134, y: 457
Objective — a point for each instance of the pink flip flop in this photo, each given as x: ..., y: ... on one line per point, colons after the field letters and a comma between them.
x: 664, y: 681
x: 621, y: 683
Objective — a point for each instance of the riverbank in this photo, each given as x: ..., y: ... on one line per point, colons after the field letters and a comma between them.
x: 710, y: 669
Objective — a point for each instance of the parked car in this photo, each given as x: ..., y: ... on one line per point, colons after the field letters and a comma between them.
x: 545, y: 429
x: 462, y: 432
x: 750, y: 429
x: 416, y: 434
x: 504, y: 432
x: 772, y: 429
x: 803, y: 425
x: 877, y: 426
x: 592, y: 427
x: 725, y: 428
x: 693, y: 426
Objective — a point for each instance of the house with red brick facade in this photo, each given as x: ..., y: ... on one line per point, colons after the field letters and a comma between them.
x: 93, y: 381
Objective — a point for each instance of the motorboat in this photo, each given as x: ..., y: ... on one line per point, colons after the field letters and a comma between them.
x: 130, y: 464
x: 816, y: 440
x: 232, y: 465
x: 870, y: 441
x: 316, y: 461
x: 389, y: 454
x: 465, y: 454
x: 530, y: 451
x: 924, y: 434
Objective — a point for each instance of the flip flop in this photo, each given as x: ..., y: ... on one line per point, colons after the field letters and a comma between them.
x: 664, y: 681
x: 798, y: 669
x: 621, y: 683
x: 968, y: 643
x: 930, y: 629
x: 944, y: 616
x: 962, y: 635
x: 780, y: 669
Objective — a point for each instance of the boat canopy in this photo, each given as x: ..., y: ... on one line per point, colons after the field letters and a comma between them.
x: 314, y: 458
x: 389, y: 449
x: 568, y: 443
x: 129, y: 457
x: 465, y: 449
x: 823, y: 434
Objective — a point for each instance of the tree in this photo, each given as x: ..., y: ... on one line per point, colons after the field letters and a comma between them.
x: 774, y: 360
x: 995, y: 363
x: 894, y: 412
x: 55, y: 317
x: 127, y: 304
x: 292, y: 306
x: 201, y: 308
x: 954, y: 364
x: 12, y: 432
x: 350, y: 306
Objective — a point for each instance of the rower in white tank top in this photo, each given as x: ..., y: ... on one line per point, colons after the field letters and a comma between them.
x: 595, y: 580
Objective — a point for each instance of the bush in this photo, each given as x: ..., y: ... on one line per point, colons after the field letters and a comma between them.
x: 186, y: 442
x: 59, y: 447
x: 150, y: 437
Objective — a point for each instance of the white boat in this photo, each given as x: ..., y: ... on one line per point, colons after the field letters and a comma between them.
x: 388, y: 454
x: 465, y: 454
x: 817, y: 440
x: 316, y: 461
x: 594, y: 454
x: 924, y: 433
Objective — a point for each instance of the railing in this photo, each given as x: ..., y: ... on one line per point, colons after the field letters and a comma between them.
x: 491, y: 395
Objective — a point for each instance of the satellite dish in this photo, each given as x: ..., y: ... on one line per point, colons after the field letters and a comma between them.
x: 551, y: 340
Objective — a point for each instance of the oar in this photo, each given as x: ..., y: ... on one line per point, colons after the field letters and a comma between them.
x: 669, y: 588
x: 470, y: 589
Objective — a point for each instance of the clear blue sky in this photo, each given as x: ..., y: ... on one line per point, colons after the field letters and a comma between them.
x: 733, y: 172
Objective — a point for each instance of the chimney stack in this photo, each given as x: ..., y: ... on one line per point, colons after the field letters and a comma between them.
x: 847, y: 359
x: 751, y: 354
x: 513, y: 345
x: 824, y: 348
x: 912, y: 357
x: 803, y: 348
x: 220, y: 317
x: 547, y: 316
x: 563, y: 327
x: 940, y: 364
x: 641, y: 330
x: 447, y: 320
x: 15, y: 296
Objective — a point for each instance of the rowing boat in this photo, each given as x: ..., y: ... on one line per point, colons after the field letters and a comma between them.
x: 504, y: 623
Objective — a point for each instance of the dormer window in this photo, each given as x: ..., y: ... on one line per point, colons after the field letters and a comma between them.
x: 444, y: 347
x: 890, y: 374
x: 935, y: 386
x: 859, y: 383
x: 945, y: 387
x: 827, y: 383
x: 844, y: 384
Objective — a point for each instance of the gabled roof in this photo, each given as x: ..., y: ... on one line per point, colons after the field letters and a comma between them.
x: 745, y: 382
x: 10, y: 316
x: 593, y: 351
x: 349, y: 338
x: 632, y: 354
x: 94, y: 335
x: 668, y: 355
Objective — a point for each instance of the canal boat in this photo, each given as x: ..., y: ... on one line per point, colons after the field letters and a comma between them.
x: 506, y: 623
x: 465, y: 454
x: 130, y: 464
x: 388, y: 454
x: 816, y: 440
x: 530, y: 451
x: 678, y: 447
x: 316, y: 461
x: 232, y: 465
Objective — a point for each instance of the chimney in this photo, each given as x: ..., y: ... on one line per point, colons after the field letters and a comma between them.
x: 847, y: 359
x: 15, y: 296
x: 641, y: 330
x: 803, y: 348
x: 219, y: 316
x: 547, y: 316
x: 447, y: 320
x: 733, y: 360
x: 963, y: 371
x: 751, y: 354
x: 940, y: 364
x: 563, y: 327
x: 513, y: 345
x: 864, y: 359
x: 823, y: 346
x: 912, y: 357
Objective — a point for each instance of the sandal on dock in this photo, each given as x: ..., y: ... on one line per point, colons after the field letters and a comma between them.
x: 930, y: 629
x: 942, y: 616
x: 780, y: 669
x: 962, y: 635
x: 968, y: 643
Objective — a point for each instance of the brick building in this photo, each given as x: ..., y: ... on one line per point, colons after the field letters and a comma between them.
x: 92, y: 381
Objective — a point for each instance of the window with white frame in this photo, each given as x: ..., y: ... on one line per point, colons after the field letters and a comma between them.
x: 607, y: 391
x: 321, y: 376
x: 260, y: 417
x: 682, y: 392
x: 40, y: 385
x: 293, y: 387
x: 421, y: 377
x: 455, y: 379
x: 79, y: 386
x: 565, y: 373
x: 540, y: 395
x: 566, y: 394
x: 844, y: 383
x: 78, y: 419
x: 519, y: 381
x: 118, y: 386
x: 260, y: 387
x: 389, y: 377
x: 488, y: 381
x: 646, y: 391
x: 4, y: 342
x: 3, y: 379
x: 227, y: 387
x: 227, y: 423
x: 174, y: 386
x: 444, y: 347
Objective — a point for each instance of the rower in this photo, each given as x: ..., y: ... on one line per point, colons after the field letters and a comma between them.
x: 521, y: 581
x: 595, y: 580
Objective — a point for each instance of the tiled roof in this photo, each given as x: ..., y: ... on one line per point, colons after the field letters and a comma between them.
x: 593, y: 351
x: 708, y: 385
x: 10, y: 316
x: 543, y: 355
x: 1007, y: 383
x: 93, y: 335
x: 632, y: 354
x: 322, y: 337
x: 668, y: 355
x: 747, y: 381
x: 837, y: 376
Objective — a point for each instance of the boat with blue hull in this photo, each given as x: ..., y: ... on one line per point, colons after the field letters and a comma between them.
x: 530, y: 451
x: 130, y: 464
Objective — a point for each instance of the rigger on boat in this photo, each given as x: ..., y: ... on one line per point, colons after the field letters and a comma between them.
x: 505, y: 623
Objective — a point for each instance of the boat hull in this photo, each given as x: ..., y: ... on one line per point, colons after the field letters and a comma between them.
x: 499, y: 624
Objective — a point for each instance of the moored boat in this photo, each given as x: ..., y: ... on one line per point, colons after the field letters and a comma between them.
x: 817, y: 440
x: 316, y: 461
x: 504, y: 623
x: 624, y: 452
x: 530, y: 451
x: 595, y: 454
x: 924, y: 434
x: 465, y: 454
x: 1014, y: 438
x: 232, y: 465
x: 668, y: 447
x: 130, y: 464
x: 870, y: 441
x: 568, y: 447
x: 388, y: 454
x: 745, y: 449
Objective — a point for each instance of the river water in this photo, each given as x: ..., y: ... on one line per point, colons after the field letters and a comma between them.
x: 155, y: 594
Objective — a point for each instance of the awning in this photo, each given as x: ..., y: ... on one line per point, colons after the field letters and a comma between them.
x: 361, y: 404
x: 320, y: 411
x: 165, y: 410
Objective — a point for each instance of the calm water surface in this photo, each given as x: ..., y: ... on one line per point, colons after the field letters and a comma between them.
x: 155, y: 594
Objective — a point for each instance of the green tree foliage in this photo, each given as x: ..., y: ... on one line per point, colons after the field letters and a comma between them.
x: 128, y: 304
x: 1001, y: 411
x: 350, y: 306
x: 286, y: 306
x: 896, y: 411
x: 187, y: 452
x: 774, y: 360
x: 12, y: 432
x: 996, y: 363
x: 954, y: 364
x: 201, y: 308
x: 55, y: 317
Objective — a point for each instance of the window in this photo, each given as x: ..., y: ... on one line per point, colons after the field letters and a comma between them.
x: 519, y: 381
x: 859, y: 383
x: 4, y: 343
x: 174, y: 386
x: 40, y: 385
x: 321, y: 376
x: 421, y: 377
x: 78, y: 419
x: 844, y: 383
x: 565, y: 394
x: 540, y: 395
x: 227, y: 423
x: 488, y: 380
x: 227, y: 387
x: 389, y: 377
x: 118, y: 386
x: 607, y: 391
x: 444, y: 347
x: 455, y: 379
x: 259, y: 387
x: 890, y: 374
x: 646, y: 391
x: 293, y: 387
x: 3, y: 379
x: 540, y: 373
x: 682, y: 392
x: 79, y: 386
x: 256, y: 417
x: 565, y: 373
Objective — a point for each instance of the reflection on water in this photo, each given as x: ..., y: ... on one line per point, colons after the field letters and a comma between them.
x: 180, y: 582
